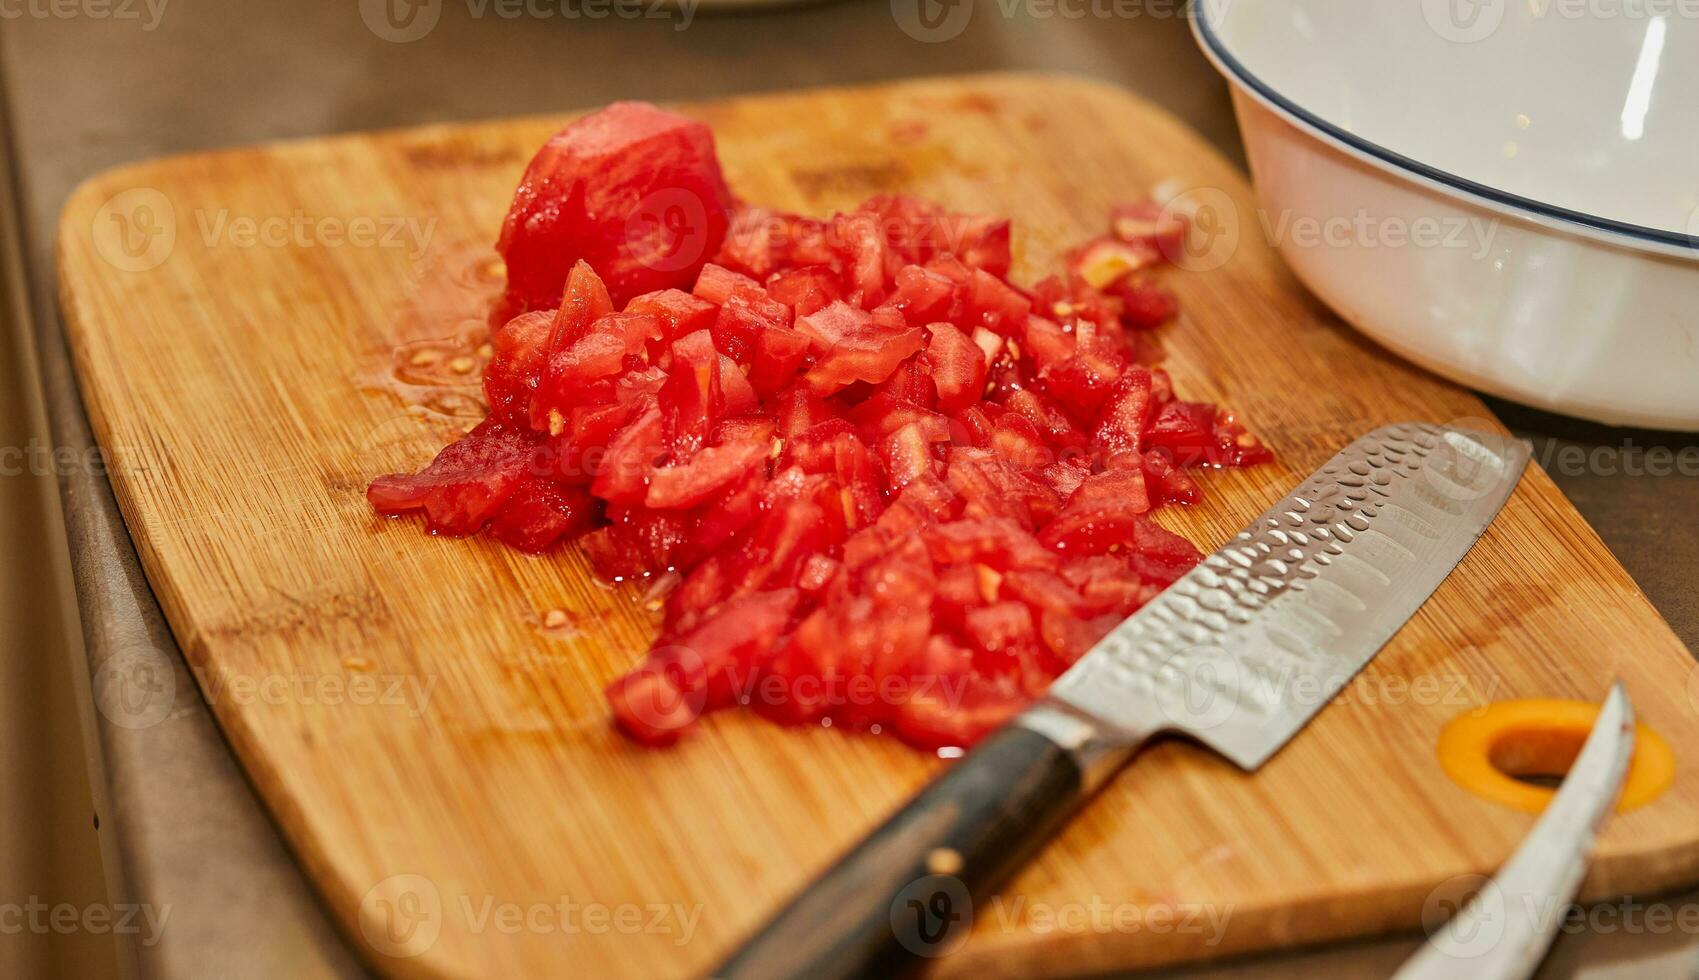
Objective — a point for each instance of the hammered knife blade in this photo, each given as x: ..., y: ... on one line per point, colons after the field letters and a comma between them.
x: 1239, y: 654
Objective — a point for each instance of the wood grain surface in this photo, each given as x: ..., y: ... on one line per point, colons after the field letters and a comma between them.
x: 259, y: 331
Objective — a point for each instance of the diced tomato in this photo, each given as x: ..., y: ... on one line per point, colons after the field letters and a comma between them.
x: 760, y: 241
x: 1082, y: 382
x: 680, y: 312
x: 922, y: 295
x: 899, y: 490
x: 957, y: 367
x: 540, y: 512
x: 1121, y: 426
x: 692, y: 399
x: 740, y: 397
x: 705, y: 474
x: 853, y: 345
x: 1016, y: 439
x: 739, y: 635
x: 1144, y: 304
x: 1091, y: 529
x: 994, y: 303
x: 1105, y: 261
x: 717, y: 285
x: 520, y: 349
x: 634, y: 191
x: 984, y: 243
x: 1122, y: 488
x: 1163, y: 556
x: 1046, y: 342
x: 623, y: 473
x: 908, y: 454
x: 798, y: 408
x: 1069, y: 638
x: 1186, y: 430
x: 1046, y: 591
x: 993, y: 541
x: 572, y: 375
x: 660, y: 700
x: 807, y: 289
x: 467, y: 482
x: 779, y: 353
x: 1164, y: 483
x: 946, y: 714
x: 1149, y: 225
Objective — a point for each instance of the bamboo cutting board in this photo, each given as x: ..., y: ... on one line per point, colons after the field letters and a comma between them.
x: 260, y: 331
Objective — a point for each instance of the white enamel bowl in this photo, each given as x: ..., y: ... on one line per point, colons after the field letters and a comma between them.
x: 1506, y: 192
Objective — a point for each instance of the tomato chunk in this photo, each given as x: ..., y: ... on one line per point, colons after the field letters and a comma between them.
x: 464, y: 486
x: 633, y: 190
x: 853, y: 345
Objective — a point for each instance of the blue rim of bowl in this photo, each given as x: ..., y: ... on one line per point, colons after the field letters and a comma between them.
x: 1656, y: 236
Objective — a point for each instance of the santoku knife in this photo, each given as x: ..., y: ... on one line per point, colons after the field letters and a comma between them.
x: 1238, y: 654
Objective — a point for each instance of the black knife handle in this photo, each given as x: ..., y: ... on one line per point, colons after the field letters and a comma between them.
x: 905, y: 894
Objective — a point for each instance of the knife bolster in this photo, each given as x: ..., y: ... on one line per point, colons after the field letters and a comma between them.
x: 1097, y: 750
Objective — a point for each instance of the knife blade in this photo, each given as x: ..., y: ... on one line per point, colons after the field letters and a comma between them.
x: 1507, y: 926
x: 1238, y: 654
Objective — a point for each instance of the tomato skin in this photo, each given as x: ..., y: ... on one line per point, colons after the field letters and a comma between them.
x: 575, y: 202
x: 900, y: 491
x: 467, y: 482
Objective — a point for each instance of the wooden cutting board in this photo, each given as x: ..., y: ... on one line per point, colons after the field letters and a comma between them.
x: 260, y: 331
